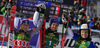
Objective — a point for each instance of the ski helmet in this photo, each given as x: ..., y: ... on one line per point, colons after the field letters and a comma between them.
x: 84, y: 26
x: 24, y: 20
x: 53, y: 20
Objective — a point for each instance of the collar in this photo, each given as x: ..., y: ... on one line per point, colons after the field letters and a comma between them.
x: 50, y: 31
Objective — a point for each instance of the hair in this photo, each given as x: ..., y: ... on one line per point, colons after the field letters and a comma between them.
x: 21, y: 30
x: 53, y: 20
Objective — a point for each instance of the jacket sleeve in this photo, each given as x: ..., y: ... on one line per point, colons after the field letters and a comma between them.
x: 69, y: 34
x: 75, y: 36
x: 92, y: 45
x: 37, y: 21
x: 35, y: 18
x: 3, y: 10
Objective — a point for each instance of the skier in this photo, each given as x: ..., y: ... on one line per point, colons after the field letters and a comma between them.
x: 83, y: 40
x: 23, y: 35
x: 52, y: 37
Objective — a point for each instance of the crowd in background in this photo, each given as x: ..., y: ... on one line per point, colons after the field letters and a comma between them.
x: 4, y: 3
x: 77, y: 14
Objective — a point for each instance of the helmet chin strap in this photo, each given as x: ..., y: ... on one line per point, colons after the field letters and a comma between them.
x: 84, y: 38
x: 87, y: 39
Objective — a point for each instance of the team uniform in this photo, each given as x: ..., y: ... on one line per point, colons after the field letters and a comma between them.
x: 51, y: 38
x: 82, y: 43
x: 24, y: 39
x: 21, y: 40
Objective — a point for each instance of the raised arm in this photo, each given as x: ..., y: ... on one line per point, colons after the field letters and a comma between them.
x: 38, y: 18
x: 35, y: 18
x: 69, y: 33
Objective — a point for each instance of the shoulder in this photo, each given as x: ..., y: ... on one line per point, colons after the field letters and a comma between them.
x: 92, y: 45
x: 76, y: 36
x: 47, y: 29
x: 30, y: 31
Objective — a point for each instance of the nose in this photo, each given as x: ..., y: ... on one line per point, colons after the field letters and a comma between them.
x: 54, y: 26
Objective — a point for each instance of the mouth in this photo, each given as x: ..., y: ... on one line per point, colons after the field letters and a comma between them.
x: 84, y: 36
x: 54, y: 29
x: 25, y: 28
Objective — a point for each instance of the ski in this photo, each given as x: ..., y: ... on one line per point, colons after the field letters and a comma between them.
x: 2, y: 24
x: 42, y: 35
x: 62, y: 45
x: 4, y: 33
x: 5, y: 22
x: 63, y: 39
x: 12, y: 16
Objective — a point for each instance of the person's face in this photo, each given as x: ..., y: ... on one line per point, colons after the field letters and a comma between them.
x: 84, y: 33
x: 25, y: 26
x: 54, y: 26
x: 74, y: 19
x: 2, y: 4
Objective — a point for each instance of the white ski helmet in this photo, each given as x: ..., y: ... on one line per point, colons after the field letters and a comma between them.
x: 84, y: 26
x: 41, y: 5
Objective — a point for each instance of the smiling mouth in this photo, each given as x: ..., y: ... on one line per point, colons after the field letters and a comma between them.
x: 54, y: 28
x: 24, y: 28
x: 84, y: 35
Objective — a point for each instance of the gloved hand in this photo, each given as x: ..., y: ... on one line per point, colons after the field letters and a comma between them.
x: 7, y: 5
x: 64, y: 21
x: 41, y: 8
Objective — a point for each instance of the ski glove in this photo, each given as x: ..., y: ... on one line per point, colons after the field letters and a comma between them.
x: 41, y: 7
x: 41, y: 10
